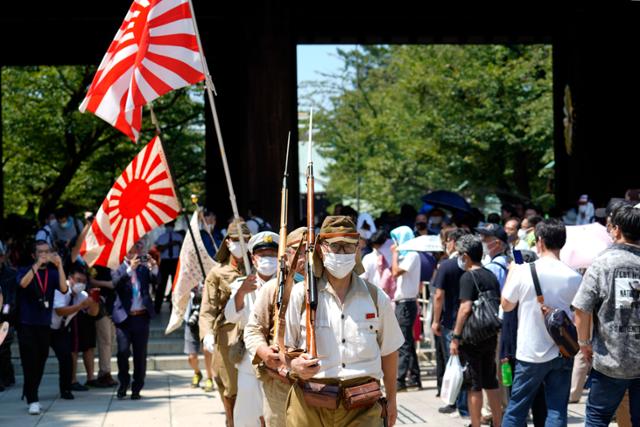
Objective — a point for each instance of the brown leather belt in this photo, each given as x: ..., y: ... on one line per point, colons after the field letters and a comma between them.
x: 138, y: 312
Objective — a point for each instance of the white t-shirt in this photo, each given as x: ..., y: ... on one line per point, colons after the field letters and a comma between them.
x: 370, y: 264
x: 408, y: 283
x: 559, y: 284
x: 64, y: 300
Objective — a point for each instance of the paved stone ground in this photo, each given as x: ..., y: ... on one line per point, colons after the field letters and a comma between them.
x: 169, y: 401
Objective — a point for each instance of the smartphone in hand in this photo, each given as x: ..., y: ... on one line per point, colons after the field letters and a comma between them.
x: 517, y: 256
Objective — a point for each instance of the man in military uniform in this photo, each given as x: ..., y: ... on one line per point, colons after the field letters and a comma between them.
x: 263, y: 247
x: 212, y: 322
x: 261, y: 342
x: 357, y: 337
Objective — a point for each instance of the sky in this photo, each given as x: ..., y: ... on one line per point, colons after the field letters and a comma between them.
x: 313, y: 60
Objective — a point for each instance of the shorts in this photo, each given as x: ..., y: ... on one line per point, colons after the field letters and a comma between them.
x: 191, y: 344
x: 83, y: 332
x: 481, y: 364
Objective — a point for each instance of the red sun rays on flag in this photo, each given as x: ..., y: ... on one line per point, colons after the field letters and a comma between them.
x: 141, y: 199
x: 154, y: 52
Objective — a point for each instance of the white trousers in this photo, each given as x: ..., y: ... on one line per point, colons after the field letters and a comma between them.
x: 249, y: 400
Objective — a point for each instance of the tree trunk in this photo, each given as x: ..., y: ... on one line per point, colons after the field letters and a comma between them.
x: 521, y: 176
x: 52, y: 194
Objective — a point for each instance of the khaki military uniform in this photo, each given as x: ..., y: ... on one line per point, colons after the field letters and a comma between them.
x: 215, y: 294
x: 352, y: 337
x: 258, y: 332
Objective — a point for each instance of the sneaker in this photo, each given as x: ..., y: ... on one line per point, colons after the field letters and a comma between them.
x: 67, y: 395
x: 415, y: 383
x: 449, y: 409
x: 79, y: 387
x: 34, y: 408
x: 136, y: 395
x: 208, y: 386
x: 195, y: 381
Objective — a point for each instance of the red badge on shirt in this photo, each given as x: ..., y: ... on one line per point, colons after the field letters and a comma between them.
x: 370, y: 316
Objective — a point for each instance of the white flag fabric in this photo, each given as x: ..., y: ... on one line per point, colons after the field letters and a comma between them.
x: 188, y: 274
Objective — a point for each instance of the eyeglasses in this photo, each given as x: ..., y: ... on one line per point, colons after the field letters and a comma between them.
x: 345, y: 248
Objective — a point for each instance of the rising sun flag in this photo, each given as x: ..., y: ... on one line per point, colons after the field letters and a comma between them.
x: 154, y: 52
x: 141, y: 199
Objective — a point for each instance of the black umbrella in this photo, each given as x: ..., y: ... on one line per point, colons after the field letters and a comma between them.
x: 448, y: 200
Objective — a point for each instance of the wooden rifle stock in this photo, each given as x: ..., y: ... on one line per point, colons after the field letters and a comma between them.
x: 282, y: 243
x: 312, y: 289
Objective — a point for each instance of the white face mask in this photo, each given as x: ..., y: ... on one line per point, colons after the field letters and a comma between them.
x: 460, y: 261
x: 234, y: 248
x: 522, y: 234
x: 78, y: 288
x: 267, y: 265
x: 339, y: 265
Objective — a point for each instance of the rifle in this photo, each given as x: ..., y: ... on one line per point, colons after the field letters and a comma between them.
x: 311, y: 303
x: 282, y: 243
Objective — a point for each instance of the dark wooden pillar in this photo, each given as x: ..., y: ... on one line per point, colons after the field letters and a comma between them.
x: 602, y: 71
x: 256, y: 81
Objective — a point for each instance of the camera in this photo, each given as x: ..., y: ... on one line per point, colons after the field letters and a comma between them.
x: 193, y: 320
x: 144, y: 259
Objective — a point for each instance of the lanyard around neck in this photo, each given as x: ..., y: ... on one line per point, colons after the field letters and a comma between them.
x: 43, y: 287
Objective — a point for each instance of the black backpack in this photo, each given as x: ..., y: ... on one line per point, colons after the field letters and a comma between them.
x: 483, y: 322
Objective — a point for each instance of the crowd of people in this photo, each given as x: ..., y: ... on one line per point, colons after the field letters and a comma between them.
x: 364, y: 322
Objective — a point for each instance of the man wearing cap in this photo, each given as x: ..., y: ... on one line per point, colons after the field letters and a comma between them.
x: 263, y: 247
x: 259, y: 335
x: 357, y: 337
x: 215, y: 294
x: 495, y: 244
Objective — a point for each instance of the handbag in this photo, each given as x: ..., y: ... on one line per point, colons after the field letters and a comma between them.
x: 361, y: 396
x: 483, y: 323
x: 559, y: 325
x: 321, y: 395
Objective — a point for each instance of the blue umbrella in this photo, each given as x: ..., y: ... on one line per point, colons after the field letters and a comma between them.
x: 448, y: 200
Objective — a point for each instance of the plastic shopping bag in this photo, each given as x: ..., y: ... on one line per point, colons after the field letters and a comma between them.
x: 452, y: 381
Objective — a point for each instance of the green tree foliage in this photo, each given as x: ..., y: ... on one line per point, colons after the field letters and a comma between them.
x: 406, y: 119
x: 54, y: 155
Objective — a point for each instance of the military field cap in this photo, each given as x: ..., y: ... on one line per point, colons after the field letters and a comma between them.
x: 223, y: 253
x: 338, y: 228
x: 264, y: 239
x: 232, y: 230
x: 296, y: 237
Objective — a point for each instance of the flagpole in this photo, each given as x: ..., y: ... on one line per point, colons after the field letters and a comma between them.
x: 154, y: 120
x: 210, y: 88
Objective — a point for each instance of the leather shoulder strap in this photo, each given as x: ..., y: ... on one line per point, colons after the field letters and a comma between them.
x: 373, y: 292
x: 536, y: 282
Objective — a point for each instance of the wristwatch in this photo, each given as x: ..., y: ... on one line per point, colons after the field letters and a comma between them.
x: 456, y: 337
x: 583, y: 343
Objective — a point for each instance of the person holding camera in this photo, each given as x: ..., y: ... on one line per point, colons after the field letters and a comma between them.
x: 37, y: 284
x: 65, y: 308
x: 132, y: 312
